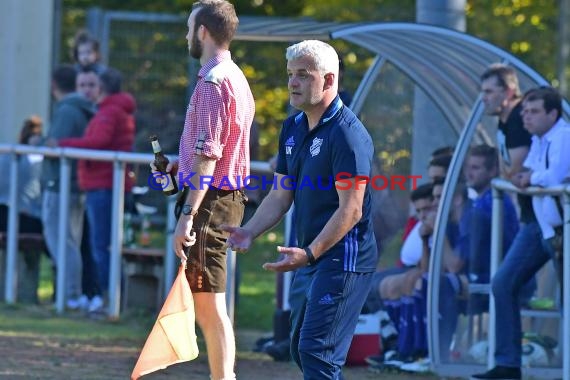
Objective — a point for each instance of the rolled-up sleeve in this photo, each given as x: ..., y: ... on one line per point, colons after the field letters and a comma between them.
x: 212, y: 121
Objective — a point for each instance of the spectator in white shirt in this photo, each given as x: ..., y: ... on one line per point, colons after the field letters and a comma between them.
x: 548, y: 164
x: 548, y: 160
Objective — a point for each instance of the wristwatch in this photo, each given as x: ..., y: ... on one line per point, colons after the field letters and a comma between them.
x: 189, y: 210
x: 310, y: 256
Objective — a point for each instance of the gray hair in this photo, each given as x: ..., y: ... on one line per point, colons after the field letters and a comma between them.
x: 323, y: 54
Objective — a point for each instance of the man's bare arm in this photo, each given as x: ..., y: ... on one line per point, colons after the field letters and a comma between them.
x: 204, y: 168
x: 517, y: 156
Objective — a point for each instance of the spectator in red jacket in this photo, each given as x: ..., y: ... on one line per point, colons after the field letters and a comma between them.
x: 112, y: 128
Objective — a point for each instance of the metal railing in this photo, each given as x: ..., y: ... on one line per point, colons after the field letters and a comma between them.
x: 501, y: 186
x: 119, y: 160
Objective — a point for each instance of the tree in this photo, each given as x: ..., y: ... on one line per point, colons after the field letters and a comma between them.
x: 524, y: 28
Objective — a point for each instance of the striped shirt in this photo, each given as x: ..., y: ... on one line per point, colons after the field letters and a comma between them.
x: 218, y: 123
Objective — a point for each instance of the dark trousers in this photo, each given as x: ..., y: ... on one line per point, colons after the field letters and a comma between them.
x: 325, y: 305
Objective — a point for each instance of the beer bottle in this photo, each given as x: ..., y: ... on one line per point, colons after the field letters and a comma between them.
x: 161, y: 162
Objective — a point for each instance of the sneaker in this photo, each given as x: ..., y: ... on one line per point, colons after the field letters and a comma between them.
x: 396, y: 361
x: 84, y: 302
x: 382, y: 358
x: 419, y: 366
x: 96, y: 304
x: 500, y: 373
x: 79, y: 303
x: 374, y: 359
x: 72, y: 304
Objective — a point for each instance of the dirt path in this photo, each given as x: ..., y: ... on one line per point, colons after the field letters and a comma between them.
x: 26, y: 356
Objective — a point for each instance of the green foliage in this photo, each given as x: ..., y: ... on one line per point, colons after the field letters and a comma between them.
x: 268, y: 80
x: 249, y: 7
x: 154, y: 59
x: 525, y: 28
x: 360, y: 10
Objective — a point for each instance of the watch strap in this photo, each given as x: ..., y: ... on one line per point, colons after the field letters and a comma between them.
x: 310, y: 256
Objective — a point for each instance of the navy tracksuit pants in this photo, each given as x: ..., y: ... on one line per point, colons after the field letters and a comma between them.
x: 325, y: 305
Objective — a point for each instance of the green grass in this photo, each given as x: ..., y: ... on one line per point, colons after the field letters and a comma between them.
x: 256, y: 303
x: 43, y: 320
x: 255, y: 308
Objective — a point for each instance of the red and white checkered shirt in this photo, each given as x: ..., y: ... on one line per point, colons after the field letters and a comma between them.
x: 218, y: 123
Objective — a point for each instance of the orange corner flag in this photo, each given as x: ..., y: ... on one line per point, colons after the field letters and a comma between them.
x: 173, y: 336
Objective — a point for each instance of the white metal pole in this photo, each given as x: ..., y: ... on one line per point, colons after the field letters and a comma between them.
x: 62, y: 228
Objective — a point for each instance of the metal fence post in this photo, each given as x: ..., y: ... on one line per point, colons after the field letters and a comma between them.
x: 94, y: 22
x: 10, y: 290
x: 169, y: 256
x: 62, y: 230
x: 230, y: 282
x: 496, y: 250
x: 565, y: 350
x: 116, y: 238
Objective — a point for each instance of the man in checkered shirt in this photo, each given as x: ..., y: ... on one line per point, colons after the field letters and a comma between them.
x: 213, y: 161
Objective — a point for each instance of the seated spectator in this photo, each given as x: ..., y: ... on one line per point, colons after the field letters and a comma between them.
x: 401, y: 299
x: 473, y: 248
x: 466, y: 258
x: 411, y: 251
x: 438, y: 166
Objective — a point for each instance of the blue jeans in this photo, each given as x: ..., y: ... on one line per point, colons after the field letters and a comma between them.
x: 98, y: 205
x: 50, y: 220
x: 325, y: 305
x: 525, y: 257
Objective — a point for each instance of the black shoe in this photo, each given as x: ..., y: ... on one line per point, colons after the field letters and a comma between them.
x: 500, y: 373
x: 261, y: 343
x: 280, y: 351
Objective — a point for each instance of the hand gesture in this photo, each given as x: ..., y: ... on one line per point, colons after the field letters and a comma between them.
x: 240, y: 239
x: 183, y: 237
x: 293, y: 258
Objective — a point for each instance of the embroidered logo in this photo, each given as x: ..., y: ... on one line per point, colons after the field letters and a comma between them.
x: 326, y: 300
x: 289, y: 144
x: 316, y: 147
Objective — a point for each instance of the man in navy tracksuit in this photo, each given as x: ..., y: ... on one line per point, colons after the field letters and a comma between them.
x: 325, y: 157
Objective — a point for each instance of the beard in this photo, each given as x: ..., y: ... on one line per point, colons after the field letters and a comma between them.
x: 196, y: 47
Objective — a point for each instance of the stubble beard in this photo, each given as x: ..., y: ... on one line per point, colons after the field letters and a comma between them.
x: 196, y: 48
